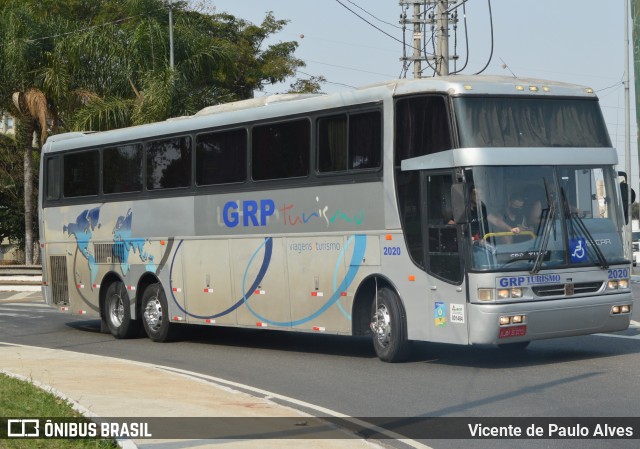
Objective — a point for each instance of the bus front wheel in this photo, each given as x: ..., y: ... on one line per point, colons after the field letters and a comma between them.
x: 388, y: 325
x: 155, y: 314
x: 117, y: 312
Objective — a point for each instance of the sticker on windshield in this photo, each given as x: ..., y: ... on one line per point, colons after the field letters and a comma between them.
x: 578, y: 248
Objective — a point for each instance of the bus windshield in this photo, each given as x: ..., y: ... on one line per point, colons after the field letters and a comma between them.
x: 530, y: 122
x: 543, y: 217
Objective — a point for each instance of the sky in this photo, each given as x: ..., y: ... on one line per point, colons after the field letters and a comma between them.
x: 576, y: 41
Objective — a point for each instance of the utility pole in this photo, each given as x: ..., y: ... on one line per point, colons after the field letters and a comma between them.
x: 435, y: 15
x: 417, y: 41
x: 442, y: 27
x: 171, y: 34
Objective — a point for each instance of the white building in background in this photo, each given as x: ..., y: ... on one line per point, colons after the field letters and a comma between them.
x: 6, y: 124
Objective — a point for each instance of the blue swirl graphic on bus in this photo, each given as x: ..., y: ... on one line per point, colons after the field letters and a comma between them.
x: 354, y: 266
x: 267, y: 246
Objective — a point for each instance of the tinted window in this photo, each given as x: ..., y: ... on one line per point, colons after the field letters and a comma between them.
x: 53, y: 178
x: 81, y: 174
x: 422, y: 127
x: 280, y: 150
x: 332, y: 144
x: 122, y: 169
x: 530, y: 122
x: 365, y: 140
x: 348, y: 142
x: 221, y: 157
x: 169, y: 163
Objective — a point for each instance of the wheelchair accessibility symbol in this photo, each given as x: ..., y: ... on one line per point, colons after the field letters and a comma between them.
x: 578, y: 248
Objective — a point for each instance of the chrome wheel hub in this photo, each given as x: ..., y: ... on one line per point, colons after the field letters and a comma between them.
x: 116, y: 310
x: 153, y: 314
x: 381, y: 325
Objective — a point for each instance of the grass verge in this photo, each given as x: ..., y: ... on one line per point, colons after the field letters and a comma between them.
x: 22, y: 399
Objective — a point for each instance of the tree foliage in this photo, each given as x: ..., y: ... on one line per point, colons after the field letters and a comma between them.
x: 104, y: 64
x: 11, y: 191
x: 70, y: 65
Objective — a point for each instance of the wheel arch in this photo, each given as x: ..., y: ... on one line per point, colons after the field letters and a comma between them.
x: 364, y: 297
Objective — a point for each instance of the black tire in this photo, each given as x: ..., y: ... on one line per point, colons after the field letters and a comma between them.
x: 389, y: 327
x: 519, y: 346
x: 117, y: 312
x: 155, y: 314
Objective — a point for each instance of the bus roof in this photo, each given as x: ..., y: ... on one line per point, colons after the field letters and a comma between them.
x: 282, y: 105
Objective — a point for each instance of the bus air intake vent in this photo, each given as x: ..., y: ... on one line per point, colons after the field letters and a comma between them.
x: 109, y: 252
x: 559, y: 289
x: 59, y: 283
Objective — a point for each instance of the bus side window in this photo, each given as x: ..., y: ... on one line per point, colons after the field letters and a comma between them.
x: 332, y: 145
x: 52, y: 178
x: 365, y: 140
x: 280, y: 150
x: 349, y: 142
x: 122, y: 169
x: 169, y: 163
x: 81, y: 174
x: 221, y: 157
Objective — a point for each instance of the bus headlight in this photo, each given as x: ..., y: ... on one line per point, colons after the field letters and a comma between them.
x: 504, y: 293
x: 618, y: 284
x: 507, y: 293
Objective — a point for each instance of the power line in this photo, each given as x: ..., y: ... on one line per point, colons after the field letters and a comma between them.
x: 327, y: 81
x: 379, y: 20
x: 371, y: 24
x: 92, y: 27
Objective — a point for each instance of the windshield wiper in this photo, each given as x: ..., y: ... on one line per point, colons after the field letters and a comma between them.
x: 585, y: 232
x: 544, y: 240
x: 550, y: 218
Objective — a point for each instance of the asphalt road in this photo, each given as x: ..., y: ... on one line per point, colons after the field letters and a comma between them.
x: 597, y: 375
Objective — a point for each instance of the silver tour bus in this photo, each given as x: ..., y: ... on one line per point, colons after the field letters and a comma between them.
x: 467, y: 210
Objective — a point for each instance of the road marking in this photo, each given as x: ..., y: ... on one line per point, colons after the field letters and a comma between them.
x: 223, y: 383
x: 632, y: 325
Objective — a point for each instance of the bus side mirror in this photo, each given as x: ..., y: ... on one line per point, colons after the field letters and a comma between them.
x: 458, y: 203
x: 624, y: 193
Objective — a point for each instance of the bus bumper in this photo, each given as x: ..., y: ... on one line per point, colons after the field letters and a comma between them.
x: 548, y: 319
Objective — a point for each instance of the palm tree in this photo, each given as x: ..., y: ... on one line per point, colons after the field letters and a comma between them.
x: 33, y: 114
x: 22, y: 54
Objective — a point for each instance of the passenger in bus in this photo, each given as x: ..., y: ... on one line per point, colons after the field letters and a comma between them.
x: 511, y: 217
x: 477, y: 216
x: 533, y: 210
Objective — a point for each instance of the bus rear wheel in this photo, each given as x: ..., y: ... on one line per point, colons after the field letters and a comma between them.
x: 117, y: 312
x: 389, y: 325
x: 155, y: 314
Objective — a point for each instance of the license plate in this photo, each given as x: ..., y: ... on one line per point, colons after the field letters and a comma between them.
x: 513, y: 331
